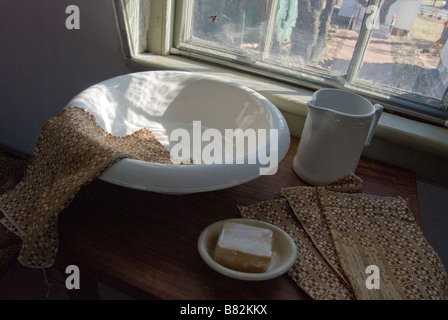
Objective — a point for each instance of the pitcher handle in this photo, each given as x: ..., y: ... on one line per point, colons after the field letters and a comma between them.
x: 376, y: 117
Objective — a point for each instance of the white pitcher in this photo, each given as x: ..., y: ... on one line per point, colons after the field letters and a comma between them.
x: 337, y: 127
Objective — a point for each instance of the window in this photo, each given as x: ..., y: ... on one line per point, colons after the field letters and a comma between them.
x: 392, y: 51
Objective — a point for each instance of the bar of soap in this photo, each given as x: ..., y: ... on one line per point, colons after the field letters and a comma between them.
x: 244, y: 248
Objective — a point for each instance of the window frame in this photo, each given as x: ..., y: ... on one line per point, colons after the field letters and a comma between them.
x: 163, y: 39
x: 394, y: 100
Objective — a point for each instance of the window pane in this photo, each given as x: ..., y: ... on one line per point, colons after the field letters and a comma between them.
x: 405, y: 49
x: 314, y: 41
x: 233, y: 23
x: 314, y: 34
x: 304, y: 33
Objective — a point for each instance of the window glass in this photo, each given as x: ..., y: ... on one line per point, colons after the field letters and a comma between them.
x: 233, y: 23
x: 312, y: 34
x: 405, y: 49
x: 392, y: 48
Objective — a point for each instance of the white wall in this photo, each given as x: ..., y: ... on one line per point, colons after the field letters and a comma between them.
x: 406, y: 14
x: 405, y: 11
x: 43, y: 64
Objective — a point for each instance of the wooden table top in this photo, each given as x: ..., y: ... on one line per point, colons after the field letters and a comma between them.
x: 145, y: 243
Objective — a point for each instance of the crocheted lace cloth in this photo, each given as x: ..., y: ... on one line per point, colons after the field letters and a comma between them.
x: 340, y: 231
x: 71, y: 151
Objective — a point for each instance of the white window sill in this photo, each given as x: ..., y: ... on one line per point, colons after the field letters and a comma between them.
x: 417, y: 146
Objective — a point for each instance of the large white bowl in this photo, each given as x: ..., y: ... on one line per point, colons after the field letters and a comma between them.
x: 166, y: 100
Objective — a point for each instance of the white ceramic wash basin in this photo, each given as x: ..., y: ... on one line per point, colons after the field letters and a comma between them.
x: 192, y: 103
